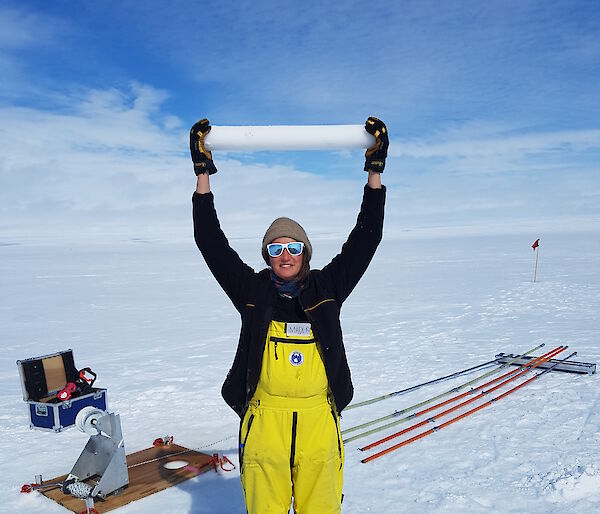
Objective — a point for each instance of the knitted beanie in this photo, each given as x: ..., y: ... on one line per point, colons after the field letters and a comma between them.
x: 285, y: 227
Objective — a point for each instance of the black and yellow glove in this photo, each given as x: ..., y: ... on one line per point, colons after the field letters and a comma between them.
x: 376, y: 155
x: 203, y: 161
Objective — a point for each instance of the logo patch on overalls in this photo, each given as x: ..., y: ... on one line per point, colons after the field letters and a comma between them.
x: 296, y: 358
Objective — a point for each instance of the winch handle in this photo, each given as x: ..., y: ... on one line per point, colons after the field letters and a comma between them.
x: 82, y: 376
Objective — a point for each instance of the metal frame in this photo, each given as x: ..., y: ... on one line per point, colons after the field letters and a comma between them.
x: 581, y: 368
x: 104, y: 455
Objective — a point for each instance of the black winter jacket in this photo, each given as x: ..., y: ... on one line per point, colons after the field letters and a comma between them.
x: 322, y: 295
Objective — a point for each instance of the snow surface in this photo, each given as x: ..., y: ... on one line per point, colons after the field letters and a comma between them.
x: 149, y: 318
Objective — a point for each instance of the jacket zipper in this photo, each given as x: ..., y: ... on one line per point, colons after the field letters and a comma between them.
x: 337, y: 432
x: 319, y: 341
x: 276, y: 350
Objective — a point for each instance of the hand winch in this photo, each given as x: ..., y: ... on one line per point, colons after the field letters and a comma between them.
x: 103, y: 456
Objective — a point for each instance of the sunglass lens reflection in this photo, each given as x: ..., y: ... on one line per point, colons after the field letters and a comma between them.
x: 295, y: 248
x: 275, y: 250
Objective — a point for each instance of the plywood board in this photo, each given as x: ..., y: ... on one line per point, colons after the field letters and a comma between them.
x: 147, y: 475
x: 54, y: 369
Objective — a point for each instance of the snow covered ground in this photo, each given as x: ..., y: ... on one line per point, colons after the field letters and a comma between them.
x: 147, y: 316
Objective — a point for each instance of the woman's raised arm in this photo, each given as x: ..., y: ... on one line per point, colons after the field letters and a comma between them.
x: 346, y: 268
x: 201, y: 157
x: 225, y: 264
x: 374, y: 180
x: 203, y: 184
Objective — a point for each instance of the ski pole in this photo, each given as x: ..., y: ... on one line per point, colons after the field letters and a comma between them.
x: 534, y: 363
x: 464, y: 415
x: 418, y: 386
x: 397, y: 413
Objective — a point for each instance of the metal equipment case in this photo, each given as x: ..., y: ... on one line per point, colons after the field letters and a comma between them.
x: 41, y: 379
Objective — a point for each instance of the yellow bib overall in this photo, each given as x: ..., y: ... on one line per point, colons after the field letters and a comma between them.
x: 290, y: 441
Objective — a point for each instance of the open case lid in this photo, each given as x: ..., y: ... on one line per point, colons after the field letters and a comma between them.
x: 46, y: 375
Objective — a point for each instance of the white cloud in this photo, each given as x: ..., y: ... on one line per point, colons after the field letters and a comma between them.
x: 107, y: 136
x: 502, y: 150
x: 115, y: 159
x: 22, y: 28
x: 114, y: 156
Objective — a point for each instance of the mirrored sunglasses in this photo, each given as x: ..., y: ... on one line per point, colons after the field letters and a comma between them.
x: 293, y: 248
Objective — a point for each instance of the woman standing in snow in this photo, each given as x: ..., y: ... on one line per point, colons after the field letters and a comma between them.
x: 290, y: 379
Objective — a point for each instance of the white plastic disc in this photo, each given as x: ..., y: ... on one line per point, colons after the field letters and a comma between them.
x: 86, y: 420
x: 176, y: 464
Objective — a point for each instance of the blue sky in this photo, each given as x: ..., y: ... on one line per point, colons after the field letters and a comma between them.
x: 492, y: 107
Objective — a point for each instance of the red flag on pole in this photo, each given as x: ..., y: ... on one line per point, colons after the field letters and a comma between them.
x: 536, y: 244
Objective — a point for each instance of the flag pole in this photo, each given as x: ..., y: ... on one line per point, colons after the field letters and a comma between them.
x: 536, y: 247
